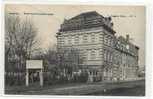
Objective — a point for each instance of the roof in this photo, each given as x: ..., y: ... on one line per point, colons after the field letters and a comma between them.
x: 86, y: 15
x: 123, y: 40
x: 87, y: 20
x: 122, y: 46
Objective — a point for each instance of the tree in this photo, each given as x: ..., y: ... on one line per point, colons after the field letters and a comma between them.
x: 69, y: 60
x: 20, y: 40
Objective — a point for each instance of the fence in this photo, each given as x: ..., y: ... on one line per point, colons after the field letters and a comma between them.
x: 50, y: 78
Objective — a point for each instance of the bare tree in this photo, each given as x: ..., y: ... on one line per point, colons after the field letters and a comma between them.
x: 69, y: 59
x: 20, y: 39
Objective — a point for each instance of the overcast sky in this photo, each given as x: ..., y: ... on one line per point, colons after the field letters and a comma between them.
x: 129, y: 20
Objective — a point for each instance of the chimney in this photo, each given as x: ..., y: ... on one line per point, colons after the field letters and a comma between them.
x: 127, y: 37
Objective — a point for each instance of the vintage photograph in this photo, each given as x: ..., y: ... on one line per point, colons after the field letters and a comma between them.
x: 81, y: 50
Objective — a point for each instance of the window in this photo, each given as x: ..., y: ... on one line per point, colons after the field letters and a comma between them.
x: 62, y: 41
x: 88, y: 56
x: 69, y: 40
x: 105, y: 40
x: 85, y: 39
x: 92, y: 38
x: 79, y: 39
x: 100, y: 52
x: 108, y: 56
x: 84, y: 54
x: 127, y: 46
x: 105, y: 55
x: 109, y: 41
x: 112, y: 42
x: 65, y: 40
x: 76, y: 39
x: 96, y: 38
x: 101, y: 37
x: 111, y: 57
x: 58, y: 40
x: 72, y: 40
x: 93, y: 54
x: 97, y: 53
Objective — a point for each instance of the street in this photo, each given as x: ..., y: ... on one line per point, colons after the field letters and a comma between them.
x: 135, y: 91
x: 128, y: 88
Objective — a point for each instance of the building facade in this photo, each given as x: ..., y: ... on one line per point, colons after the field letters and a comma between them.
x: 106, y: 57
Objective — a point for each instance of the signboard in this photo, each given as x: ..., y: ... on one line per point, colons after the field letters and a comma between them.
x: 34, y: 64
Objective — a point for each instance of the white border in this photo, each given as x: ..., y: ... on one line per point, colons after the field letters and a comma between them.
x: 148, y: 50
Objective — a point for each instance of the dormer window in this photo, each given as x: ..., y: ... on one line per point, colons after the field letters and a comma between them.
x: 109, y: 18
x: 127, y: 46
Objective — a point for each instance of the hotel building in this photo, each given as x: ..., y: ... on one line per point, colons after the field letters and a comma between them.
x: 106, y: 56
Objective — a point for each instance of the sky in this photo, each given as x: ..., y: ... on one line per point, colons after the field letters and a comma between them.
x: 48, y: 18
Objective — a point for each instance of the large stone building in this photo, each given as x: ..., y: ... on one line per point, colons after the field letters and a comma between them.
x: 106, y: 57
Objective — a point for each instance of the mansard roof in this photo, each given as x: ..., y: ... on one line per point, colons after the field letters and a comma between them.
x: 87, y: 20
x: 124, y: 41
x: 86, y: 15
x: 122, y: 46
